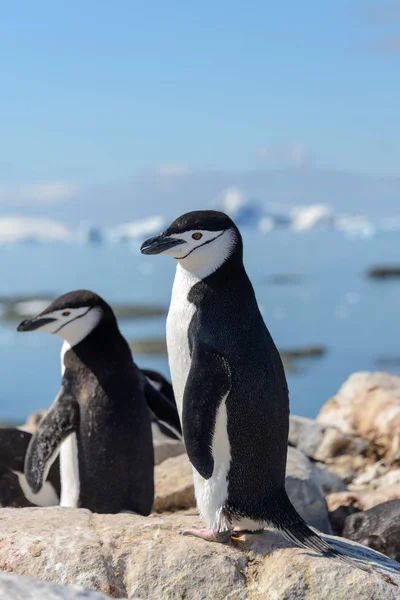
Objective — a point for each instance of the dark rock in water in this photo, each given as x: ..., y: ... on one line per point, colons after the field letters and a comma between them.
x: 378, y: 528
x: 305, y: 352
x: 284, y: 279
x: 389, y: 362
x: 384, y: 272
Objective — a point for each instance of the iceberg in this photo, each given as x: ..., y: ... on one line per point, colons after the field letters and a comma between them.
x: 313, y: 215
x: 245, y: 213
x: 30, y: 230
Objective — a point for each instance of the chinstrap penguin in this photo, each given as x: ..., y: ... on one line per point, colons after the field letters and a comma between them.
x: 100, y: 419
x: 229, y: 385
x: 14, y: 489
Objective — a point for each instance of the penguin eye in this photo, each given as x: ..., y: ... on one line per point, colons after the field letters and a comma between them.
x: 66, y: 313
x: 197, y: 236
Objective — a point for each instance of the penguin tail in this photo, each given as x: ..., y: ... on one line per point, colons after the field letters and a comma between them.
x: 294, y: 528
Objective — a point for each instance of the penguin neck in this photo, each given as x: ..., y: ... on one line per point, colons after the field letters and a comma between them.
x: 102, y: 340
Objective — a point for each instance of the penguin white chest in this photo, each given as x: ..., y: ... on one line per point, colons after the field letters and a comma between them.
x: 211, y: 494
x: 180, y: 314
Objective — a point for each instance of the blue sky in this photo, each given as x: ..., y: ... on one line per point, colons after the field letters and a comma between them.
x: 94, y: 92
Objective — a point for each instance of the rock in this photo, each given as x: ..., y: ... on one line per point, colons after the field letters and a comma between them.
x: 164, y: 446
x: 388, y: 479
x: 378, y: 528
x: 340, y: 506
x: 33, y: 421
x: 322, y: 442
x: 173, y: 485
x: 174, y: 488
x: 372, y: 476
x: 127, y: 555
x: 347, y: 467
x: 13, y: 587
x: 167, y: 448
x: 383, y: 272
x: 304, y: 490
x: 329, y: 481
x: 368, y: 406
x: 363, y: 499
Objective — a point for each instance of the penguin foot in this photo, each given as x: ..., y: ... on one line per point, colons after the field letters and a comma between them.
x: 239, y: 532
x: 210, y: 535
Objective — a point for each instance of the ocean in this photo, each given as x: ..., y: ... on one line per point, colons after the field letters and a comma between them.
x: 311, y: 287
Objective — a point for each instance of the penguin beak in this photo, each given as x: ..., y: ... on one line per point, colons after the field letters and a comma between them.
x: 32, y: 324
x: 159, y: 243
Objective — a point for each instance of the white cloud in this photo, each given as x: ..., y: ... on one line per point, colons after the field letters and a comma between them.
x: 43, y: 192
x: 293, y: 154
x: 173, y: 170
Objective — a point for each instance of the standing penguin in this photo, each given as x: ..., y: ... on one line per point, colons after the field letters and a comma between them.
x: 229, y: 384
x: 100, y: 419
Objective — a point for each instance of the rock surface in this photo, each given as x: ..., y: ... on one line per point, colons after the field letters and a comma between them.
x: 363, y: 499
x: 368, y: 406
x: 165, y: 447
x: 321, y: 442
x: 13, y: 587
x: 378, y: 528
x: 126, y: 555
x: 304, y: 490
x: 173, y: 485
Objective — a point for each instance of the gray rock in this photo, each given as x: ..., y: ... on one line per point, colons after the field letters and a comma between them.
x: 13, y: 587
x: 305, y: 492
x: 321, y: 441
x: 165, y: 447
x: 127, y: 555
x: 378, y: 528
x: 329, y: 481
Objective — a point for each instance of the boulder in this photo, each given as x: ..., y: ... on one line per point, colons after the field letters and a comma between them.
x: 173, y: 485
x: 32, y: 421
x: 13, y: 587
x: 321, y: 441
x: 174, y: 488
x: 164, y: 446
x: 127, y: 555
x: 305, y: 492
x: 378, y: 528
x: 347, y: 467
x: 368, y: 406
x: 363, y: 499
x: 328, y: 480
x: 167, y: 448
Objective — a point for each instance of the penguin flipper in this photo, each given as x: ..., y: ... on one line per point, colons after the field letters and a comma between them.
x: 60, y: 420
x: 164, y: 410
x: 201, y: 401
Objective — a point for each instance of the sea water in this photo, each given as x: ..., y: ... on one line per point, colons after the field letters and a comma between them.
x: 325, y: 300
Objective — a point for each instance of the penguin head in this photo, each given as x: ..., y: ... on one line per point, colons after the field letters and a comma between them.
x: 72, y: 316
x: 201, y: 241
